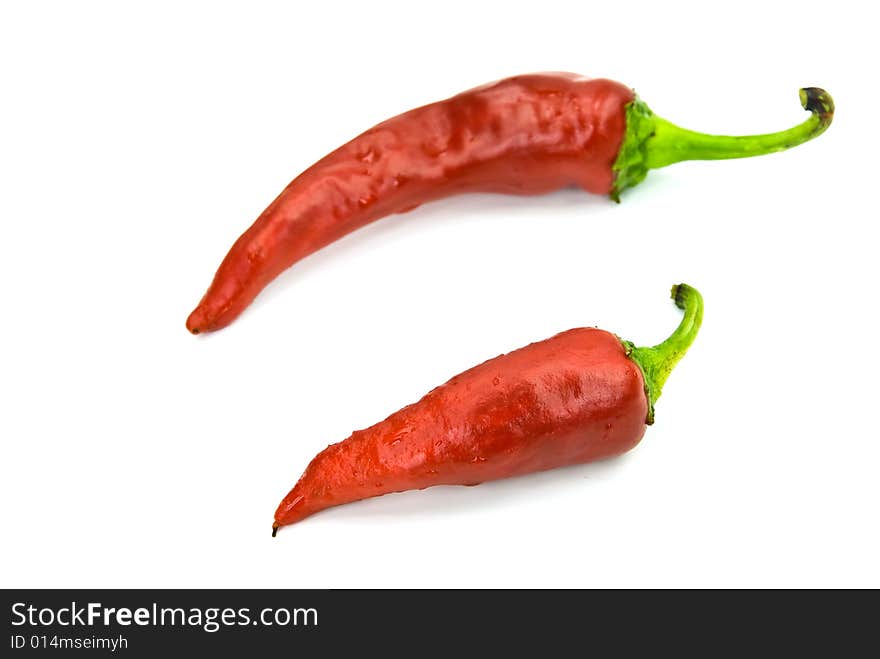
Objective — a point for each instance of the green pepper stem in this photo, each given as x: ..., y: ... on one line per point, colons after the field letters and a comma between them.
x: 657, y: 362
x: 670, y: 144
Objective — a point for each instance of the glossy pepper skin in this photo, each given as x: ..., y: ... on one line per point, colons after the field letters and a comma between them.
x: 525, y: 135
x: 579, y: 396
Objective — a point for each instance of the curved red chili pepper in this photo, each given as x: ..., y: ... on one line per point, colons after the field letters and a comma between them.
x: 524, y: 135
x: 579, y: 396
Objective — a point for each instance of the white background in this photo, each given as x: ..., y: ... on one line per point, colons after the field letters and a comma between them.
x: 138, y: 143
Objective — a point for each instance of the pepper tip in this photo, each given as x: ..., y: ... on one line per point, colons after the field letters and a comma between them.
x: 194, y: 322
x: 275, y: 528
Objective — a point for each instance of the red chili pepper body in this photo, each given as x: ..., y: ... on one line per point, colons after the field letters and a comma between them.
x: 573, y: 398
x: 525, y: 135
x: 579, y: 396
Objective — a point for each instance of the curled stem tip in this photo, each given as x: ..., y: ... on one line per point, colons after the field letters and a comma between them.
x: 819, y: 102
x: 679, y: 294
x: 658, y: 361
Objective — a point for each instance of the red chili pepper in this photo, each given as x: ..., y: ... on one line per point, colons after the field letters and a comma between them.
x: 524, y: 135
x: 579, y: 396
